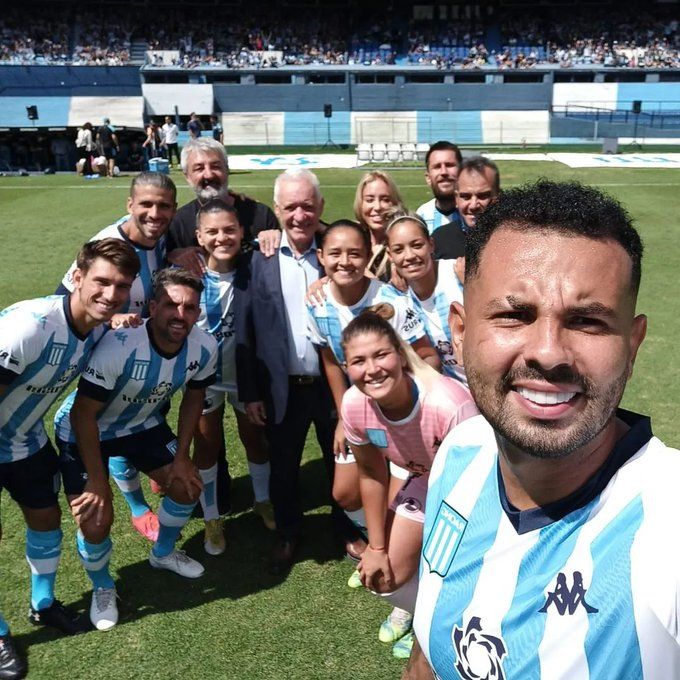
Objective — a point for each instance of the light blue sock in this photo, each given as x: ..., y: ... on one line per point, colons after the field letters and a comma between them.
x: 43, y: 550
x: 95, y: 558
x: 171, y: 518
x: 208, y: 496
x: 127, y: 478
x: 4, y: 628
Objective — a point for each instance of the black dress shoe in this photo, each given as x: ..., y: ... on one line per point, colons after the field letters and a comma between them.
x: 60, y: 618
x: 283, y: 556
x: 355, y: 549
x: 12, y: 666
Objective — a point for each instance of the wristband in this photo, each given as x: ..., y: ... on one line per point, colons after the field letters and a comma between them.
x: 381, y: 549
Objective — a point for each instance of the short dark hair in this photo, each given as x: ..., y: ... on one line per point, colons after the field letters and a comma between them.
x: 215, y: 205
x: 114, y: 250
x: 443, y: 146
x: 567, y: 208
x: 175, y: 276
x: 479, y: 164
x: 347, y: 224
x: 154, y: 179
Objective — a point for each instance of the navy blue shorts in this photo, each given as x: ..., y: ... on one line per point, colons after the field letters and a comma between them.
x: 147, y: 451
x: 34, y: 481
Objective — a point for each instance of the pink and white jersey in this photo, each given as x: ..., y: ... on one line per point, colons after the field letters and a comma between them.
x: 412, y: 442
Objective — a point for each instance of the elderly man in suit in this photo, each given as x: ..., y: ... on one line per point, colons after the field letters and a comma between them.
x: 279, y: 377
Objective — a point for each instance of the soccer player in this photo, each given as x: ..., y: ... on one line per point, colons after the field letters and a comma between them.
x: 220, y: 234
x: 432, y: 284
x: 44, y: 345
x: 151, y: 205
x: 549, y: 546
x: 442, y: 161
x: 119, y: 409
x: 398, y: 410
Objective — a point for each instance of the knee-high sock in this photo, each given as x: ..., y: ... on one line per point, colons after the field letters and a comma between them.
x: 405, y: 596
x: 172, y: 517
x: 95, y: 558
x: 209, y: 494
x: 4, y: 628
x: 259, y: 476
x: 43, y: 550
x: 127, y: 478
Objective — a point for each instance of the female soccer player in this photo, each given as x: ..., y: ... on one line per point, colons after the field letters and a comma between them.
x: 397, y: 411
x: 220, y: 234
x: 432, y: 285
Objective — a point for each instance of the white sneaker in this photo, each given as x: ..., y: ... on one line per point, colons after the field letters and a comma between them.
x: 104, y: 608
x: 179, y: 562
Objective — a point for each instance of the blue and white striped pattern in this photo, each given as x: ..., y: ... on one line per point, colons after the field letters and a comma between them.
x: 434, y: 311
x: 136, y: 405
x: 326, y: 321
x: 43, y: 552
x: 151, y: 260
x: 591, y: 595
x: 37, y: 343
x: 217, y: 318
x: 433, y: 218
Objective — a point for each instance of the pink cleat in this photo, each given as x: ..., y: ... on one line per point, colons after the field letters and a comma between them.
x: 155, y: 487
x: 146, y: 525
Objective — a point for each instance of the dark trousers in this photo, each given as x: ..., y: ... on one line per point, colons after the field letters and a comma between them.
x: 307, y: 405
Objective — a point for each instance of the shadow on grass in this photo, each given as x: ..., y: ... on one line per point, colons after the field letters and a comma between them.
x: 241, y: 571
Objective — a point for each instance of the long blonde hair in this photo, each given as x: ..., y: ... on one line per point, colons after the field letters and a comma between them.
x: 369, y: 177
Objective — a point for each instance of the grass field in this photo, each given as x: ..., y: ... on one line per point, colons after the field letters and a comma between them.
x: 238, y: 621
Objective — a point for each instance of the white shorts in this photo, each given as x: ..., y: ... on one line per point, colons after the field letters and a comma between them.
x: 214, y: 399
x: 410, y: 499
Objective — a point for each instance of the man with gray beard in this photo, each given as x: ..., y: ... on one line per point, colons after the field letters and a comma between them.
x: 206, y: 168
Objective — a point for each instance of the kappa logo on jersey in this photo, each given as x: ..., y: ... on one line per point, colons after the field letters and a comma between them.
x: 139, y: 370
x: 442, y: 543
x: 193, y: 366
x: 121, y: 336
x: 479, y: 655
x: 6, y: 355
x: 56, y: 353
x: 566, y: 600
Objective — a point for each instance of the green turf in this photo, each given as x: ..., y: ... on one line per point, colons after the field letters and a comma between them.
x: 238, y: 621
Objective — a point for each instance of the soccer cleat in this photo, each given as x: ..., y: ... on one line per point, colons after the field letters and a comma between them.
x: 266, y: 511
x: 395, y: 626
x: 12, y: 666
x: 179, y: 562
x: 146, y: 525
x: 104, y: 608
x: 213, y: 537
x: 401, y: 649
x: 354, y: 581
x: 59, y: 617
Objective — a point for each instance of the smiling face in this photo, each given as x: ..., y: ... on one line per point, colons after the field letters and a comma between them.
x: 548, y: 338
x: 344, y: 256
x: 474, y: 194
x: 99, y: 293
x: 220, y: 234
x: 374, y: 365
x: 441, y: 174
x: 411, y: 250
x: 173, y: 315
x: 298, y: 208
x: 376, y: 200
x: 151, y: 211
x: 207, y: 174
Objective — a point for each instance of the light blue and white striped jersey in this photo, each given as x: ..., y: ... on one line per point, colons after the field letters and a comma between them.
x: 217, y: 318
x: 39, y: 344
x: 135, y: 380
x: 434, y: 311
x: 433, y: 218
x: 587, y: 587
x: 326, y: 321
x: 151, y: 260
